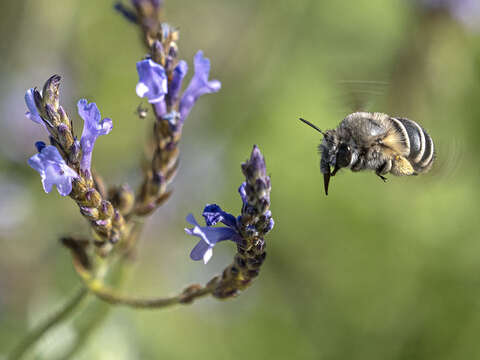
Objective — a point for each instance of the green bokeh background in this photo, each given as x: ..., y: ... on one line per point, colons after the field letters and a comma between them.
x: 374, y: 271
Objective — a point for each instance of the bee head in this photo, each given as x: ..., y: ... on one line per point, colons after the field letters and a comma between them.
x: 335, y: 154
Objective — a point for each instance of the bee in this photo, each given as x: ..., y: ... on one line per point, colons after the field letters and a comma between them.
x: 375, y: 141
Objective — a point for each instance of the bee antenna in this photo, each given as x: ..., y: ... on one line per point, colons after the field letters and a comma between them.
x: 313, y: 126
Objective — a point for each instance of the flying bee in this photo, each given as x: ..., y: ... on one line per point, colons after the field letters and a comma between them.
x: 375, y: 141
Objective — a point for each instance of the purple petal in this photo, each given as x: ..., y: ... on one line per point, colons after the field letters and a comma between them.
x: 51, y: 177
x: 214, y: 214
x: 212, y: 235
x: 191, y: 220
x: 198, y: 86
x: 51, y: 154
x: 64, y: 186
x: 201, y: 251
x: 40, y: 145
x: 270, y: 226
x: 160, y: 109
x: 175, y: 85
x: 152, y: 81
x: 209, y: 237
x: 32, y: 112
x: 93, y: 127
x: 53, y: 170
x: 243, y: 192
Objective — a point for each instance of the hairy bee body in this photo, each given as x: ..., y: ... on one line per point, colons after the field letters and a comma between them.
x: 378, y: 142
x: 384, y: 144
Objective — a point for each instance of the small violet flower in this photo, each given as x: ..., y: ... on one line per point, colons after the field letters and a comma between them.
x: 152, y: 82
x: 209, y: 235
x: 52, y: 169
x: 154, y: 85
x: 199, y: 85
x: 93, y: 127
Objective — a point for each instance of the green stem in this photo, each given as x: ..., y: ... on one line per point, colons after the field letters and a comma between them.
x: 109, y: 296
x: 95, y: 313
x: 86, y: 325
x: 36, y: 333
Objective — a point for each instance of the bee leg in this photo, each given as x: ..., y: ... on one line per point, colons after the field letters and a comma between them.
x: 384, y: 169
x: 382, y: 177
x: 401, y: 166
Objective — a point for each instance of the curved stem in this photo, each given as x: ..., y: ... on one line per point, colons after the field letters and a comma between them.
x: 98, y: 288
x: 36, y: 333
x: 109, y: 296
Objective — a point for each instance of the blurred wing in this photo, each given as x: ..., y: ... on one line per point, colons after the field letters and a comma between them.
x: 449, y: 159
x: 362, y: 95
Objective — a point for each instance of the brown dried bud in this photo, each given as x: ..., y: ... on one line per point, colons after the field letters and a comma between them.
x: 52, y: 115
x: 122, y: 198
x: 65, y: 136
x: 90, y: 213
x: 50, y: 93
x: 93, y: 198
x: 158, y: 53
x: 105, y: 209
x: 64, y: 117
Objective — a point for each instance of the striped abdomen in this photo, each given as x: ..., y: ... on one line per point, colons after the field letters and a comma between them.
x: 418, y: 143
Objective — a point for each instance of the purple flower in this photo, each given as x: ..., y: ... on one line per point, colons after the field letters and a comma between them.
x: 93, y: 127
x: 152, y: 81
x: 52, y: 169
x: 32, y: 112
x: 210, y: 236
x: 198, y: 86
x: 214, y: 214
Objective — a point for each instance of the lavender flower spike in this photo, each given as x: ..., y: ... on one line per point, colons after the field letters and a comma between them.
x: 152, y: 81
x: 210, y: 236
x: 52, y: 169
x: 32, y: 112
x: 247, y: 231
x: 93, y: 127
x: 198, y: 86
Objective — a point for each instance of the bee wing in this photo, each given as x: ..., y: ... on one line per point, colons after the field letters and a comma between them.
x: 449, y: 159
x: 362, y: 95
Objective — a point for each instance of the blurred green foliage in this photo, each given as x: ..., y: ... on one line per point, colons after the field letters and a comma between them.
x: 374, y: 271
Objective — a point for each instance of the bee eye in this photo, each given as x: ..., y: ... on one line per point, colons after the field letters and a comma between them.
x: 344, y: 156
